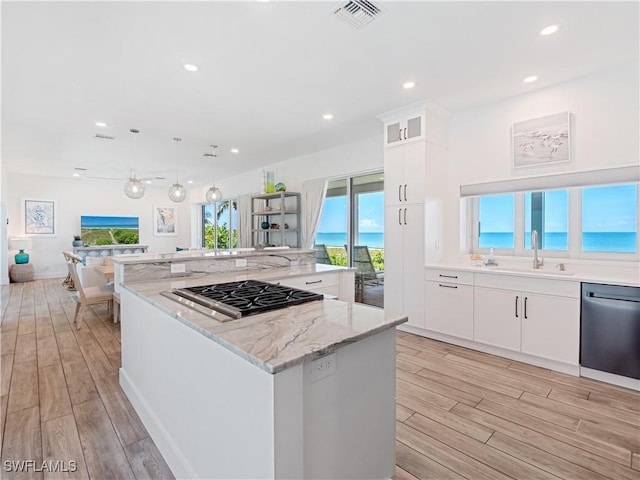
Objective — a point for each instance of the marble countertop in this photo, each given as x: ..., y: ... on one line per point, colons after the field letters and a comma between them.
x: 187, y: 255
x: 574, y: 272
x: 279, y: 339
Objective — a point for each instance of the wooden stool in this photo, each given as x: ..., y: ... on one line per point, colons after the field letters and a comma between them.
x: 116, y: 307
x: 21, y: 272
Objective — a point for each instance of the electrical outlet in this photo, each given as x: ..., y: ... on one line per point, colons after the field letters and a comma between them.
x: 323, y: 367
x: 178, y: 268
x: 241, y: 262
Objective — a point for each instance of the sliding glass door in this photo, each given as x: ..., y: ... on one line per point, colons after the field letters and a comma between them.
x: 352, y: 229
x: 220, y: 224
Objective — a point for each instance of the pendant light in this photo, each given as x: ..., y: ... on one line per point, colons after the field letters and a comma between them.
x: 134, y: 188
x: 177, y: 192
x: 214, y: 194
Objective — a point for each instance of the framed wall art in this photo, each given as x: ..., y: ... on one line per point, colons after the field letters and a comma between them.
x: 39, y: 217
x: 542, y: 140
x: 165, y: 221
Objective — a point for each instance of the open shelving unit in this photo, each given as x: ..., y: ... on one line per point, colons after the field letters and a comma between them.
x: 279, y: 210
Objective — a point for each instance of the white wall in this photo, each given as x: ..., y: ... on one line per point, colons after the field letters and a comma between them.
x: 605, y: 129
x: 360, y: 156
x: 75, y: 197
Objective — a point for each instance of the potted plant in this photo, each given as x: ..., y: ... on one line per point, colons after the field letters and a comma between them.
x: 77, y: 241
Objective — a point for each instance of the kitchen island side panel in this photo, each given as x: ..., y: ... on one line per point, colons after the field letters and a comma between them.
x: 209, y: 411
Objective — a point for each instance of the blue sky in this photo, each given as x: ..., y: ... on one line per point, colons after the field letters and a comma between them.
x: 370, y: 214
x: 604, y: 209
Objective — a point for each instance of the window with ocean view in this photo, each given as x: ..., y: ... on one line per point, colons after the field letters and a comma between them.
x: 610, y: 219
x: 496, y: 221
x: 549, y: 213
x: 353, y: 215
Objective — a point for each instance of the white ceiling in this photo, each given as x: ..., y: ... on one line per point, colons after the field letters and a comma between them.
x: 267, y: 73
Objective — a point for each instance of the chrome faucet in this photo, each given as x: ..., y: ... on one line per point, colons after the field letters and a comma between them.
x: 534, y: 245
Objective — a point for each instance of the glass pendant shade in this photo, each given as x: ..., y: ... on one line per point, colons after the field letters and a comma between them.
x: 134, y: 188
x: 177, y: 192
x: 214, y: 195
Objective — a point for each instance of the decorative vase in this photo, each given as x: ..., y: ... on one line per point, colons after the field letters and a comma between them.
x: 21, y: 257
x: 270, y: 185
x: 77, y: 243
x: 265, y: 225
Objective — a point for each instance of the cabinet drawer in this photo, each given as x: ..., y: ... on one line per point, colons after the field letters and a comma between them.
x: 449, y: 308
x: 313, y: 282
x: 450, y: 276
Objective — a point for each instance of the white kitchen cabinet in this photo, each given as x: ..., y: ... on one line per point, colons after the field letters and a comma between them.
x: 404, y: 262
x: 404, y: 129
x: 551, y: 327
x: 405, y: 174
x: 448, y: 302
x: 497, y: 317
x: 536, y: 316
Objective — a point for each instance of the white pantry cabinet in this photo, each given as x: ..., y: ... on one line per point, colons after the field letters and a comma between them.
x: 448, y: 302
x: 405, y: 174
x: 540, y: 317
x: 404, y: 262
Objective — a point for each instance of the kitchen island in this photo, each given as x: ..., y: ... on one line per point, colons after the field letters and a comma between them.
x: 303, y: 392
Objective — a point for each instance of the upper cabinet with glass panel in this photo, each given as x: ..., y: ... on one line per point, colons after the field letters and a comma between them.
x: 404, y: 129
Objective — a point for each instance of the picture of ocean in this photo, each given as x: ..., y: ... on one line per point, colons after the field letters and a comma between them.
x: 339, y: 239
x: 591, y: 241
x: 97, y: 230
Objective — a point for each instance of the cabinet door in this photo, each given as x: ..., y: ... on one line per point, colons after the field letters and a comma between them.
x: 448, y: 308
x: 414, y: 127
x: 393, y: 260
x: 393, y: 175
x: 413, y: 263
x: 551, y: 327
x: 414, y: 172
x: 393, y: 132
x: 496, y: 317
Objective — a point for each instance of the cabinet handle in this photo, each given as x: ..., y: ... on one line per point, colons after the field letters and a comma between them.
x: 405, y: 133
x: 399, y: 193
x: 399, y: 216
x: 405, y: 192
x: 447, y: 286
x: 447, y: 276
x: 311, y: 283
x: 517, y: 298
x: 525, y: 307
x: 405, y: 216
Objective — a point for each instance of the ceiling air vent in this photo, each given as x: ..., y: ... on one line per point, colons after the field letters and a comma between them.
x: 105, y: 137
x: 357, y: 13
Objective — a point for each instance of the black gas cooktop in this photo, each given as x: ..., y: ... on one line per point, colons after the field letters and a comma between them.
x: 239, y: 299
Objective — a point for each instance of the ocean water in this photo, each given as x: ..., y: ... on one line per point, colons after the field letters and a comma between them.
x: 591, y: 241
x: 339, y: 239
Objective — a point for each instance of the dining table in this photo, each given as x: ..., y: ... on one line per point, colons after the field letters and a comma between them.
x: 105, y: 271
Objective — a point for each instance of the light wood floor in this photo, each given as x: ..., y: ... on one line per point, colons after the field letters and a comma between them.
x: 460, y: 413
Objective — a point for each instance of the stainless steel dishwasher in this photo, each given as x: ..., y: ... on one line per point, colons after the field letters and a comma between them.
x: 610, y: 329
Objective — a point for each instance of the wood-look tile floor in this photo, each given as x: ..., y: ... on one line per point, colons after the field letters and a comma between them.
x: 460, y: 413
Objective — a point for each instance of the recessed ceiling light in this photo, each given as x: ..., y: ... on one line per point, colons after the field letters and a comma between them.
x: 327, y: 116
x: 189, y: 181
x: 550, y: 30
x: 76, y: 174
x: 147, y: 182
x: 530, y: 79
x: 235, y: 150
x: 101, y: 124
x: 408, y: 85
x: 190, y: 68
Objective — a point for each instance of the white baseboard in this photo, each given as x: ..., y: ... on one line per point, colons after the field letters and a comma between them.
x: 4, y: 281
x: 501, y: 352
x: 176, y: 461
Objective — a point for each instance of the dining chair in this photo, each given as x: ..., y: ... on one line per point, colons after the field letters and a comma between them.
x: 67, y: 283
x: 88, y: 295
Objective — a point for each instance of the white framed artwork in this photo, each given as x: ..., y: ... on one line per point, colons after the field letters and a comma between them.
x: 165, y: 221
x: 542, y: 140
x: 38, y: 218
